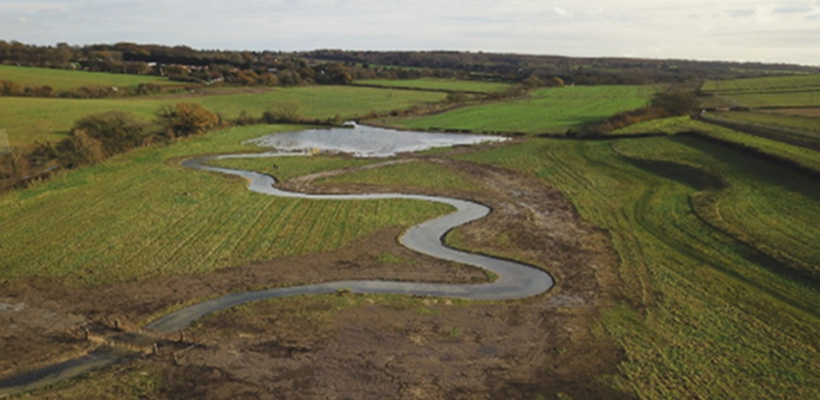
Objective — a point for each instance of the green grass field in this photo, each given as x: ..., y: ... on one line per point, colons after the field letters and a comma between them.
x: 783, y: 91
x: 140, y: 215
x: 810, y: 125
x: 548, y: 111
x: 29, y: 119
x: 414, y: 175
x: 43, y: 119
x: 440, y: 84
x: 805, y: 157
x: 718, y: 324
x: 761, y: 84
x: 284, y: 168
x: 61, y: 79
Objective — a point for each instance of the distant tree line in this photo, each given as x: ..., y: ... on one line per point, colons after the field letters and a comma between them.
x: 184, y: 64
x: 577, y: 70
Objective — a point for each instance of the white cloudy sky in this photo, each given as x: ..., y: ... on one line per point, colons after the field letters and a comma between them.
x: 743, y: 30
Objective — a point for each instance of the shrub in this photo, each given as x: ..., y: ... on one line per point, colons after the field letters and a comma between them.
x: 116, y: 131
x: 187, y: 119
x: 283, y: 111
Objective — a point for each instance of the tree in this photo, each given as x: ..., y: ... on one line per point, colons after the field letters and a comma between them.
x: 676, y: 102
x: 283, y: 111
x: 187, y: 119
x: 247, y: 77
x: 116, y: 131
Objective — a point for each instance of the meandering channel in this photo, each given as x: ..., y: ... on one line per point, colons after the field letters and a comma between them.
x: 515, y: 280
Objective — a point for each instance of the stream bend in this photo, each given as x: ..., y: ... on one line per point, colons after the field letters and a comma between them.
x: 515, y: 280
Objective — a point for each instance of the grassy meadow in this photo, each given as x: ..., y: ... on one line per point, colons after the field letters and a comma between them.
x: 805, y: 157
x: 440, y: 84
x: 763, y: 84
x: 781, y: 91
x: 284, y: 168
x: 61, y: 79
x: 809, y: 125
x: 47, y: 119
x: 718, y: 248
x: 547, y: 111
x: 719, y: 321
x: 414, y: 175
x: 140, y: 215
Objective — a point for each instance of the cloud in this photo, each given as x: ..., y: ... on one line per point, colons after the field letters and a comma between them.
x: 671, y: 29
x: 741, y: 13
x: 560, y: 11
x: 792, y: 10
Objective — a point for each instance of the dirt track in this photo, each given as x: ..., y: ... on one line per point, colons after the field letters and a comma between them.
x: 510, y: 350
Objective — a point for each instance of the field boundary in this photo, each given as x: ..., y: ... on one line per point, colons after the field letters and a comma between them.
x: 367, y: 85
x: 784, y: 135
x: 779, y: 161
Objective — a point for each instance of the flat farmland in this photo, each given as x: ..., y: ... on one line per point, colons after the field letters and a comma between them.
x: 548, y: 111
x: 60, y: 79
x: 803, y: 156
x: 440, y: 84
x: 783, y: 91
x: 185, y: 222
x: 47, y: 119
x: 810, y: 125
x: 764, y: 84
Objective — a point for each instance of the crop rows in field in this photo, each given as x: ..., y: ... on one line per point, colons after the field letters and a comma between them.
x: 719, y: 324
x: 805, y: 157
x: 439, y: 84
x: 417, y: 174
x: 61, y: 79
x: 809, y: 125
x: 284, y: 168
x: 783, y: 91
x: 32, y: 119
x: 142, y: 216
x: 764, y: 84
x: 547, y: 111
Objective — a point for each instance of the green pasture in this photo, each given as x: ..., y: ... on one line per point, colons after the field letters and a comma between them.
x: 810, y: 125
x: 440, y: 84
x: 48, y: 119
x: 413, y: 175
x: 805, y: 157
x: 809, y: 98
x: 30, y: 119
x: 764, y: 84
x: 140, y: 215
x: 547, y: 111
x: 321, y: 101
x: 782, y: 91
x: 284, y: 168
x: 721, y: 320
x: 62, y: 79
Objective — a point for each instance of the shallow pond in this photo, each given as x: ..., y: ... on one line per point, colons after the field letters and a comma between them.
x: 367, y: 141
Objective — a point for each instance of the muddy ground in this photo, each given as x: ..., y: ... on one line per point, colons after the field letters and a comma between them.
x: 507, y: 350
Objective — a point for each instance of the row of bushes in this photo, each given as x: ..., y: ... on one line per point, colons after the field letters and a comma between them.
x: 96, y: 137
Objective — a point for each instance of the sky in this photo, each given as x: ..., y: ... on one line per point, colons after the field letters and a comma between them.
x: 731, y: 30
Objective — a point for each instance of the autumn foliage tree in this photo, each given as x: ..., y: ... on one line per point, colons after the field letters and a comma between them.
x: 185, y: 119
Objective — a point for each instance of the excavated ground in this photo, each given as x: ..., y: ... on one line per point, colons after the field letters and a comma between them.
x: 282, y: 350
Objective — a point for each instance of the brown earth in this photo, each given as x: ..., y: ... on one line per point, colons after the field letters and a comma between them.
x: 302, y: 348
